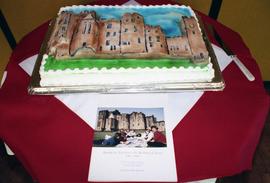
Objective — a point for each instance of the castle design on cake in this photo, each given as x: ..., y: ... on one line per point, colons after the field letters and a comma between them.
x: 114, y: 120
x: 112, y: 46
x: 84, y: 35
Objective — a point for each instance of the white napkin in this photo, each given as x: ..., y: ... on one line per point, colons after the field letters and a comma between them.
x: 177, y: 104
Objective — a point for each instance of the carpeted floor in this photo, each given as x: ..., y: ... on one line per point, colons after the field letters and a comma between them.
x: 12, y: 171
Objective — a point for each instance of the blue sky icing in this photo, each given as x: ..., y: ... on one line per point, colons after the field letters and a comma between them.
x: 167, y: 17
x: 157, y: 112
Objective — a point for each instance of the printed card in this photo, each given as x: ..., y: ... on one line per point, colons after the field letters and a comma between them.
x: 132, y: 144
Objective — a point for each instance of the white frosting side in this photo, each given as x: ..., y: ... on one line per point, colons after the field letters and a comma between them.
x: 120, y: 76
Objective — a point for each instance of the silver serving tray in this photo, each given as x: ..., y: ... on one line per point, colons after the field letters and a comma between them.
x: 217, y: 83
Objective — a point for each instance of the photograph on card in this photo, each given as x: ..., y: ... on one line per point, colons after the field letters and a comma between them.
x: 130, y: 128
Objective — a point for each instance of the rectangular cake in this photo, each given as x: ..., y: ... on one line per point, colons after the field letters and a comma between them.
x: 125, y: 45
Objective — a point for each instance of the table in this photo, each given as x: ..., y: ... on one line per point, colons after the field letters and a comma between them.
x: 216, y: 138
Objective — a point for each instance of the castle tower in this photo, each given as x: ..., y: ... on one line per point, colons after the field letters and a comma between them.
x: 109, y: 37
x: 102, y: 116
x: 150, y: 120
x: 132, y: 33
x: 114, y: 124
x: 155, y: 40
x: 179, y: 46
x: 137, y: 121
x: 194, y: 36
x: 59, y: 42
x: 160, y: 125
x: 123, y: 121
x: 85, y: 37
x: 110, y: 122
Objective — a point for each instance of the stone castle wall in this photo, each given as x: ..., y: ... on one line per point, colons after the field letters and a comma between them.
x: 102, y: 116
x: 109, y: 36
x: 194, y: 36
x: 150, y: 120
x: 60, y: 40
x: 83, y: 35
x: 156, y: 40
x: 113, y: 121
x: 137, y: 121
x: 179, y: 46
x: 123, y: 121
x: 132, y: 33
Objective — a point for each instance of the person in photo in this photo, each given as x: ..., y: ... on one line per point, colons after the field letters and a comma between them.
x: 131, y: 134
x: 112, y: 141
x: 148, y: 135
x: 158, y: 140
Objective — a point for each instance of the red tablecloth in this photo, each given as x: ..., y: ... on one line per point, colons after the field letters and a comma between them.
x: 216, y: 138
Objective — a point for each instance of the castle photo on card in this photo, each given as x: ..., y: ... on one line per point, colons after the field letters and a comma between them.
x: 130, y: 127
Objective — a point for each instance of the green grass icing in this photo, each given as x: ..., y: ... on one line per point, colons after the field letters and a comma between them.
x: 82, y: 63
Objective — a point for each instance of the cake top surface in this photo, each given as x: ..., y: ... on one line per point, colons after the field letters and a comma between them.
x: 127, y: 33
x: 96, y: 45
